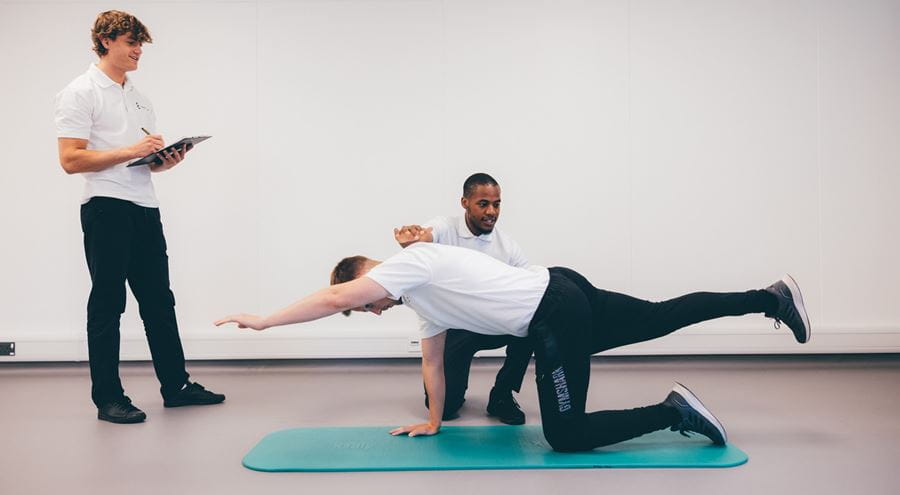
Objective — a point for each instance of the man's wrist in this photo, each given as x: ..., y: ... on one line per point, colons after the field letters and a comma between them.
x: 264, y: 323
x: 130, y: 153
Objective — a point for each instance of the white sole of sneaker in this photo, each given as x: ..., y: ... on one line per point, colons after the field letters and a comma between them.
x: 696, y: 404
x: 798, y: 302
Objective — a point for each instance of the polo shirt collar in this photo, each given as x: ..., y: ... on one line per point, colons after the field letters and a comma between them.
x: 462, y: 230
x: 101, y: 79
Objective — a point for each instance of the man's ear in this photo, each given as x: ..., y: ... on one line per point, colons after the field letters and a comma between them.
x: 107, y: 41
x: 464, y: 201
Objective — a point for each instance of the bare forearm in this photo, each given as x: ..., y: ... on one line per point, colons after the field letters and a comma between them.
x: 80, y: 161
x: 433, y: 376
x: 325, y: 302
x: 319, y: 305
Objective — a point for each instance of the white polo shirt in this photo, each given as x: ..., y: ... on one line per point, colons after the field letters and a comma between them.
x: 108, y: 115
x: 454, y: 287
x: 453, y: 231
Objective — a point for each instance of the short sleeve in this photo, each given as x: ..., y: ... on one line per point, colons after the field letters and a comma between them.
x: 73, y: 114
x: 516, y: 255
x: 440, y: 227
x: 428, y: 329
x: 402, y: 272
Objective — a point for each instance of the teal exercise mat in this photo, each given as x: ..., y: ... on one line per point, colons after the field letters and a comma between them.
x: 472, y: 447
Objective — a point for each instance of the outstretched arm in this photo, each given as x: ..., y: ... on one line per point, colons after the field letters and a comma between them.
x: 325, y: 302
x: 433, y: 374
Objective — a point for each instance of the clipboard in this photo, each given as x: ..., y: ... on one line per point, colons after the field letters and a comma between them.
x: 153, y: 158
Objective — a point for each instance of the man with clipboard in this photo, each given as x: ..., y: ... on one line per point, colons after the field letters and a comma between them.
x: 101, y: 124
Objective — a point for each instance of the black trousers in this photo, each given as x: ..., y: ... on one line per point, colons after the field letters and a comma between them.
x: 125, y: 242
x: 460, y: 347
x: 575, y: 320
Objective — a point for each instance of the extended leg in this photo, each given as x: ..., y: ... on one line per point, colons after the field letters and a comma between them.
x: 624, y: 320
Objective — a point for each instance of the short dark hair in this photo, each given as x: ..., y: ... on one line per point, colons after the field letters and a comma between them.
x: 346, y: 270
x: 112, y: 23
x: 475, y: 180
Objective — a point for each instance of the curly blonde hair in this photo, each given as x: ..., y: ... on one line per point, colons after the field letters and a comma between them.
x: 112, y: 23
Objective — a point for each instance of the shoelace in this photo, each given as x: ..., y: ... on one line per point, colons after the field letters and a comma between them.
x: 690, y: 424
x: 125, y: 404
x: 510, y: 399
x: 789, y: 312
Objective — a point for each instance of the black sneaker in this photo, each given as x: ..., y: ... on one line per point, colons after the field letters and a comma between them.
x: 505, y: 408
x: 790, y: 311
x: 193, y: 394
x: 120, y: 411
x: 694, y: 416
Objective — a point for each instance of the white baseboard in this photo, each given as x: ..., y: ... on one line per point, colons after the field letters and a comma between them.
x: 249, y: 346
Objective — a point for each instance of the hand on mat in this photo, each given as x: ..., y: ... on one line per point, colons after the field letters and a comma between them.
x: 416, y: 430
x: 244, y: 321
x: 409, y: 234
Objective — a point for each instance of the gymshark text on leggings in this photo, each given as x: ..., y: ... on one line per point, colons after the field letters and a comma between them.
x: 562, y: 389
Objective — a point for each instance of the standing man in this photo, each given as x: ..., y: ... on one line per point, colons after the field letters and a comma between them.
x: 102, y: 124
x: 476, y: 229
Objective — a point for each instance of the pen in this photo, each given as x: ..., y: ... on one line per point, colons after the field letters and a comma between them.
x: 148, y: 133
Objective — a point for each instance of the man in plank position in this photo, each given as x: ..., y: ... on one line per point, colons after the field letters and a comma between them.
x: 564, y: 316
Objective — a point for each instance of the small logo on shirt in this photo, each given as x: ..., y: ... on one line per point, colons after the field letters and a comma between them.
x: 138, y: 105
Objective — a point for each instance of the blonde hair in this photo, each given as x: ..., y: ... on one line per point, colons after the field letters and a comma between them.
x: 346, y: 270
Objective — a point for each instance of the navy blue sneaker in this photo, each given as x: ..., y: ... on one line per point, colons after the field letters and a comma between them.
x: 695, y: 417
x: 790, y: 311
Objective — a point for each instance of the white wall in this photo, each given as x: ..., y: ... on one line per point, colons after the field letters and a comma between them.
x: 658, y: 147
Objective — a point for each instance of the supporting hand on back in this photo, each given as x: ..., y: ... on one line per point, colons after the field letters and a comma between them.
x: 409, y: 234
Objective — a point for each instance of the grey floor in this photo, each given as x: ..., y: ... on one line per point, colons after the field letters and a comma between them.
x: 813, y: 424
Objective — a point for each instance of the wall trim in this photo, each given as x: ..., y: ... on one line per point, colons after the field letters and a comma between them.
x: 249, y: 346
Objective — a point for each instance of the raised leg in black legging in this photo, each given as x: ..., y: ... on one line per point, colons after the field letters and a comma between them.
x: 619, y: 319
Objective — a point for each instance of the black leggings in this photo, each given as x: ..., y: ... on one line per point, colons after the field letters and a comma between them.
x: 575, y: 320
